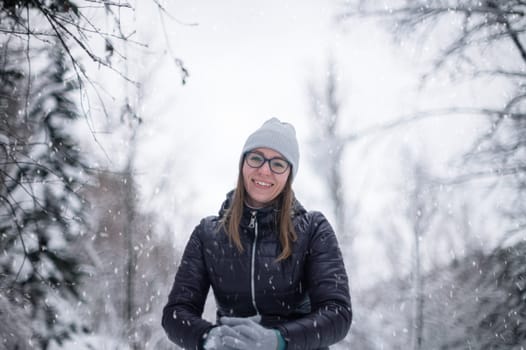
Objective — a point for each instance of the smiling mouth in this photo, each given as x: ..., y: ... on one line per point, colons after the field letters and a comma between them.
x: 261, y: 183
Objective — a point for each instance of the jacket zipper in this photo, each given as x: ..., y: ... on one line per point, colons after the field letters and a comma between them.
x: 253, y: 225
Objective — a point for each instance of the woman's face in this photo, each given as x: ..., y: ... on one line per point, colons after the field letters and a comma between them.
x: 261, y: 184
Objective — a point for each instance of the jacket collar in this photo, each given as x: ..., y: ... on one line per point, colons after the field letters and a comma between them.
x: 263, y: 214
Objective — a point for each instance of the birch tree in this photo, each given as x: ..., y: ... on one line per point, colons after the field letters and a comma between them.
x: 329, y: 148
x: 420, y: 211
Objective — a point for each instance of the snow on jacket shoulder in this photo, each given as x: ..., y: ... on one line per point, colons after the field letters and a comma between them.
x: 306, y: 296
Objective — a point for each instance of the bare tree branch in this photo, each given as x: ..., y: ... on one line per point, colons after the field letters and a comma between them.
x: 423, y: 115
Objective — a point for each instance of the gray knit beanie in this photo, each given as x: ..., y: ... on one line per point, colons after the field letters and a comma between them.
x: 280, y: 137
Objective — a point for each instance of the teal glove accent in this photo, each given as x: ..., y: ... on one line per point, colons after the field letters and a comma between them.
x: 252, y: 334
x: 282, y: 345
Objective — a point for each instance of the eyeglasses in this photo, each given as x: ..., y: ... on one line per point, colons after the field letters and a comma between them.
x: 256, y: 160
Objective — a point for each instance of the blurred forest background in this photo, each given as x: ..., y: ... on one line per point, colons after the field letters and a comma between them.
x: 87, y: 257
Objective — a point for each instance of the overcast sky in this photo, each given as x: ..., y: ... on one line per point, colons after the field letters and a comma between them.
x: 249, y: 61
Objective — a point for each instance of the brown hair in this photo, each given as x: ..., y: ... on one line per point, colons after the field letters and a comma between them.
x: 233, y: 215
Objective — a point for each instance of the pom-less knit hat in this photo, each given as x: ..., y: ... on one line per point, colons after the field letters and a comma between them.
x: 280, y: 137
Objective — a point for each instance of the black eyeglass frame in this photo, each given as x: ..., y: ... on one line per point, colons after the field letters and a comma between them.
x: 265, y: 160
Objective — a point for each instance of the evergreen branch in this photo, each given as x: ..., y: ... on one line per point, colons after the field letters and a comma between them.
x: 22, y: 170
x: 22, y: 242
x: 79, y: 79
x: 15, y: 182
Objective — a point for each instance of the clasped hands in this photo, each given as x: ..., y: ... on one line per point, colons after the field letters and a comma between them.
x: 241, y: 333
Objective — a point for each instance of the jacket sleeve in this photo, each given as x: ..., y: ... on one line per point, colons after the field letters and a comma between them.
x: 181, y: 317
x: 328, y: 287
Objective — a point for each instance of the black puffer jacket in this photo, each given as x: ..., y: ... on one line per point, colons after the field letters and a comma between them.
x: 306, y: 296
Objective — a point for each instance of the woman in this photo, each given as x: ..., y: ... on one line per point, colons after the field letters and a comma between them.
x: 276, y: 270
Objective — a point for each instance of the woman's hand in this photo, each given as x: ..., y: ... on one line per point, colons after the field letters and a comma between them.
x: 251, y: 334
x: 215, y: 338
